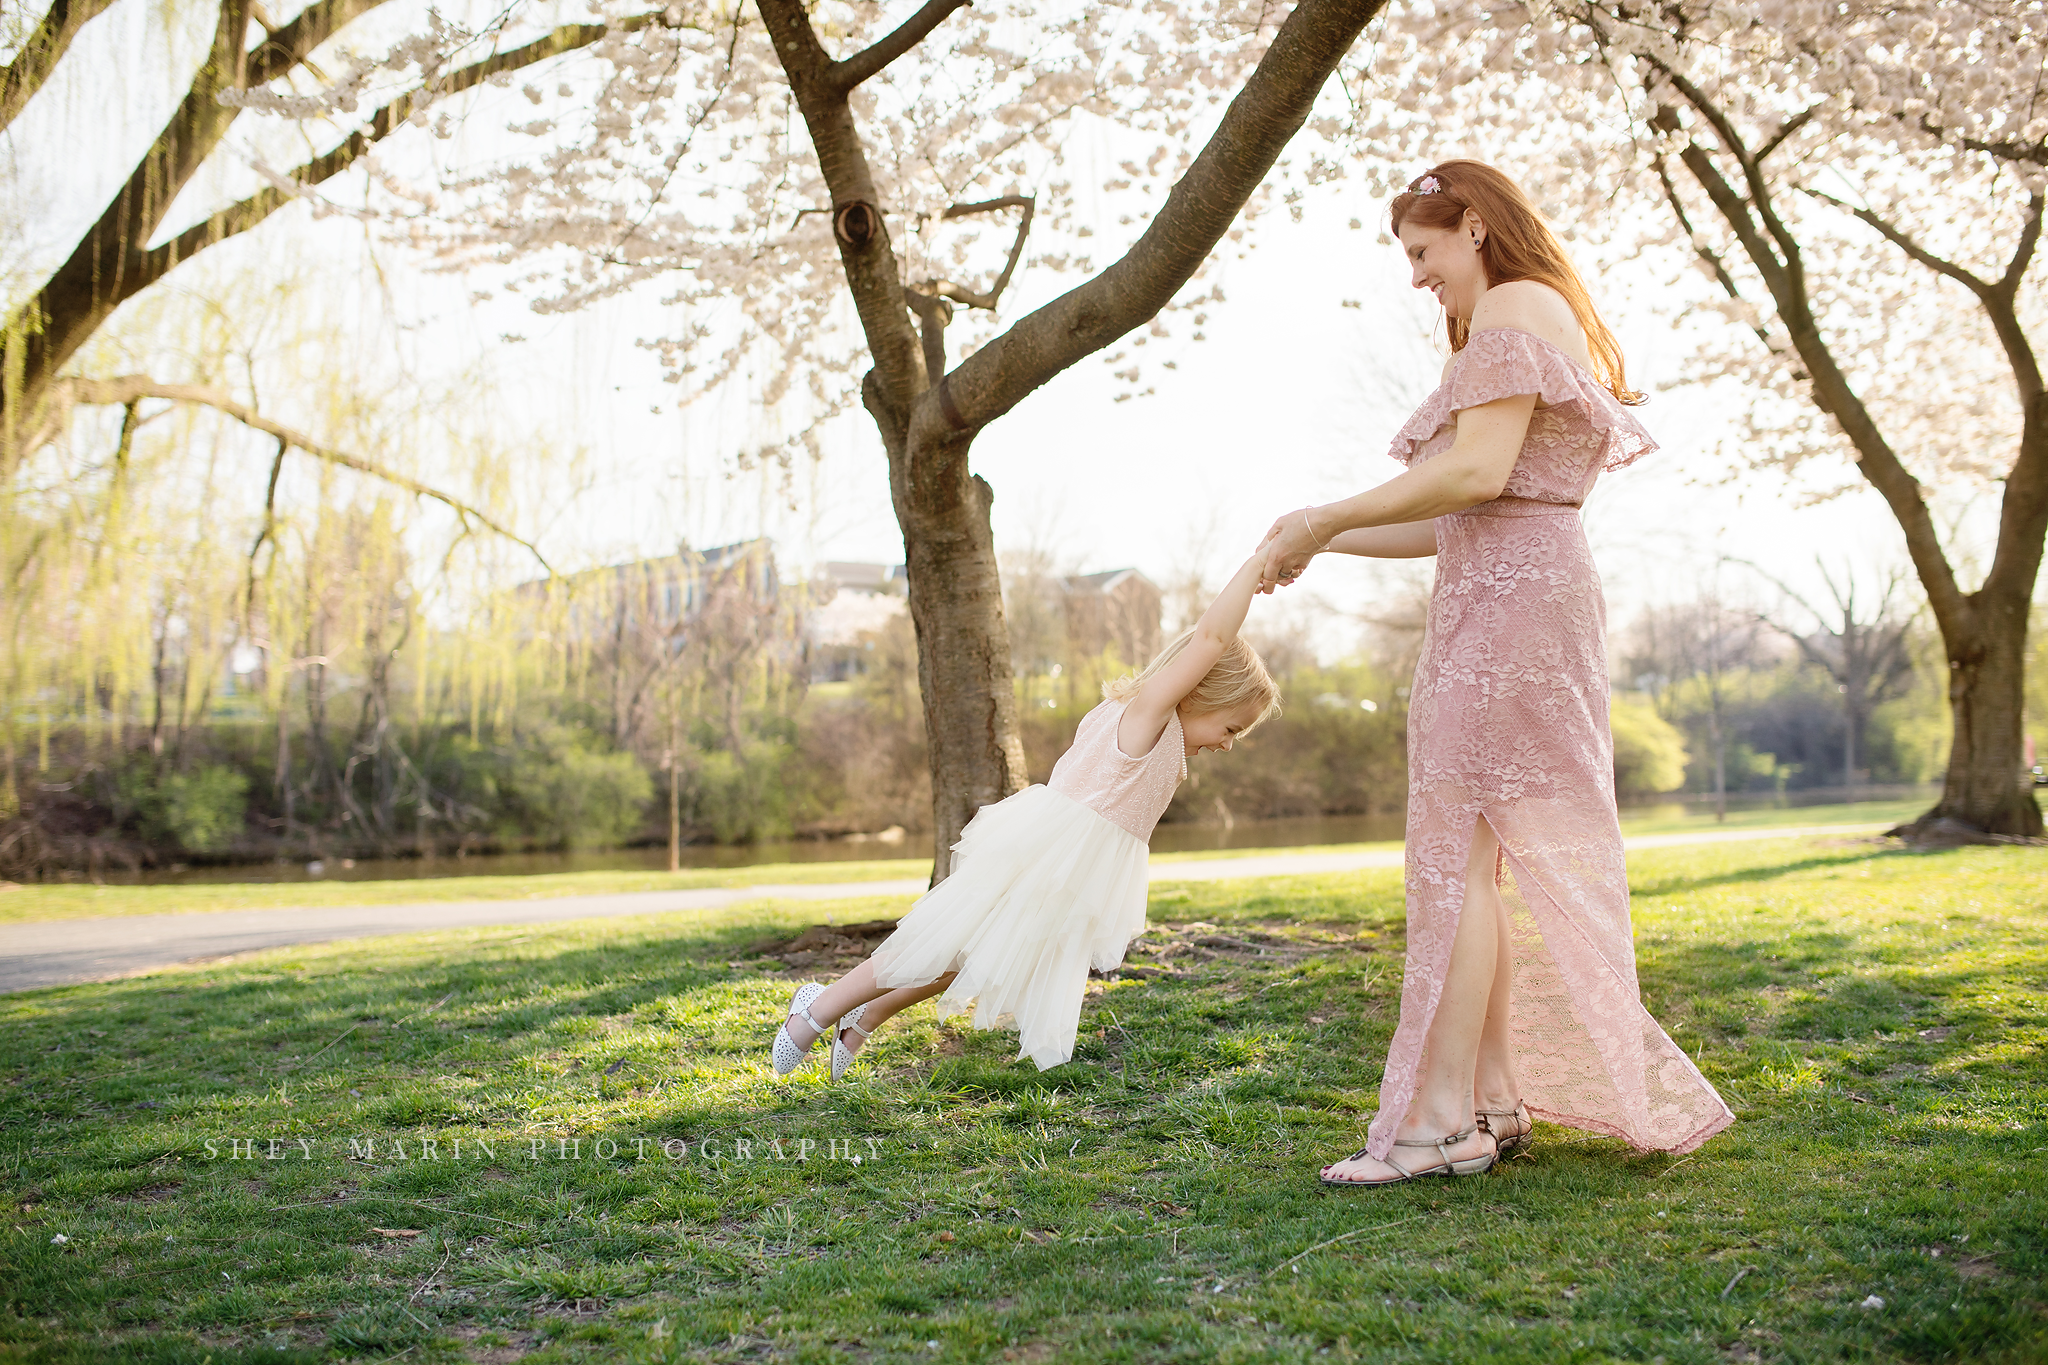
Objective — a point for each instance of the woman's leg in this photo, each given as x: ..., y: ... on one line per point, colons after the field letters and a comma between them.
x: 1444, y: 1083
x: 1496, y: 1086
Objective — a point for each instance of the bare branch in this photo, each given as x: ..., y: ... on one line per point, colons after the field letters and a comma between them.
x: 126, y: 389
x: 239, y: 218
x: 287, y: 47
x: 2023, y: 253
x: 39, y: 56
x: 960, y: 293
x: 845, y: 75
x: 110, y: 266
x: 1705, y: 252
x: 1787, y: 129
x: 1979, y: 287
x: 1272, y: 106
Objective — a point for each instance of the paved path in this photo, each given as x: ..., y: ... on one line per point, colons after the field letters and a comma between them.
x: 62, y: 952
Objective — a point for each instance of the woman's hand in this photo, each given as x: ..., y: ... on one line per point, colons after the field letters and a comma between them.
x: 1288, y: 547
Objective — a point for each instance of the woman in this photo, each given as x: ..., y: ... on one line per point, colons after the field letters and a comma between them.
x: 1520, y: 998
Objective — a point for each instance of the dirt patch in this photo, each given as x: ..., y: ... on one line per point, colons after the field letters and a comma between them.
x: 488, y: 1346
x: 828, y: 945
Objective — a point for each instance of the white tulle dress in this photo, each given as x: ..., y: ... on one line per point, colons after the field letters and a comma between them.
x: 1045, y: 885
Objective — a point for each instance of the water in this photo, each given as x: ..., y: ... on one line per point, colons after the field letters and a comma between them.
x: 1301, y: 832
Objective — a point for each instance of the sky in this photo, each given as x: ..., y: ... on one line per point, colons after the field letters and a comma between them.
x: 1308, y: 367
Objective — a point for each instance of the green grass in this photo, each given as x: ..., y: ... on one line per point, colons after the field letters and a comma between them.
x: 54, y: 901
x: 1876, y: 1018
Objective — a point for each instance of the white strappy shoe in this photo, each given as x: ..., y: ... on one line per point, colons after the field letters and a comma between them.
x: 786, y: 1054
x: 842, y: 1055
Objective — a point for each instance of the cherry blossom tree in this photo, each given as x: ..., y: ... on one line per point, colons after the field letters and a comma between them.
x: 1859, y: 187
x: 729, y: 158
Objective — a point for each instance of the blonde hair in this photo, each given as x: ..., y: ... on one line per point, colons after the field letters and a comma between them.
x: 1238, y: 677
x: 1519, y: 245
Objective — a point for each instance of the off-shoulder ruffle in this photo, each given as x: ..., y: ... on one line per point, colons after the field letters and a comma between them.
x: 1502, y: 362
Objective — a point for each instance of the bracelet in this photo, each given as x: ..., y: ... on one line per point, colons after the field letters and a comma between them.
x: 1311, y: 527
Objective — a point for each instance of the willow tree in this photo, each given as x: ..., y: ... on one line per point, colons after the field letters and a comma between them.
x: 766, y: 166
x: 1859, y: 187
x: 126, y: 249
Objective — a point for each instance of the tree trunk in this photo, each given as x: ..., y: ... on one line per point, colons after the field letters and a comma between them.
x: 1984, y: 787
x: 973, y: 745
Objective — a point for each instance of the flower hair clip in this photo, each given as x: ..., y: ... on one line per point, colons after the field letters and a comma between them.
x: 1429, y: 184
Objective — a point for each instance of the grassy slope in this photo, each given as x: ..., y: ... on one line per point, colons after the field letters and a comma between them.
x: 77, y: 901
x: 1877, y: 1019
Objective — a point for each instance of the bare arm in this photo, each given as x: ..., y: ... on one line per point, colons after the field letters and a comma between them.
x: 1472, y: 471
x: 1144, y: 719
x: 1404, y: 540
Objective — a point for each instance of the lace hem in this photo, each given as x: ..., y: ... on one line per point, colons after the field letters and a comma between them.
x: 1502, y: 362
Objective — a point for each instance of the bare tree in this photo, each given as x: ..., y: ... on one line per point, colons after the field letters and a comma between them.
x: 1870, y: 659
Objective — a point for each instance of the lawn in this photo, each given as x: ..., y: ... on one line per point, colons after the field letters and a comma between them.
x: 1875, y: 1017
x: 79, y: 900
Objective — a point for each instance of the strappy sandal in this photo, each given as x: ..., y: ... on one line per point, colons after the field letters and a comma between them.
x: 1477, y: 1165
x: 786, y: 1054
x: 842, y: 1055
x: 1513, y: 1141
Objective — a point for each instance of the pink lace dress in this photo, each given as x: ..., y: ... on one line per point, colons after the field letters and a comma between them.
x: 1508, y: 723
x: 1045, y: 884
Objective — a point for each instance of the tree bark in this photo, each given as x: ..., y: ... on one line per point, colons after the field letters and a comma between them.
x: 928, y: 419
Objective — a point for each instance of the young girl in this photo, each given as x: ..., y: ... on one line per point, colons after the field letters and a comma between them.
x: 1052, y: 880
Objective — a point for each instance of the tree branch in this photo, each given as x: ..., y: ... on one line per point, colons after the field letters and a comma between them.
x: 1787, y: 129
x: 1996, y: 297
x: 865, y: 254
x: 1272, y: 106
x: 239, y: 218
x: 845, y: 75
x: 1706, y: 253
x: 127, y: 389
x: 1977, y: 286
x: 1752, y: 166
x: 1833, y: 393
x: 287, y: 47
x: 110, y: 265
x: 961, y: 294
x: 2023, y: 253
x: 39, y: 56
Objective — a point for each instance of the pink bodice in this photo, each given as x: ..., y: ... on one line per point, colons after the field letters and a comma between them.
x: 1577, y: 431
x: 1130, y: 793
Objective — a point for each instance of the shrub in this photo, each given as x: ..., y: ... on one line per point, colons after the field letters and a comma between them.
x: 1649, y: 752
x: 198, y: 810
x: 566, y: 795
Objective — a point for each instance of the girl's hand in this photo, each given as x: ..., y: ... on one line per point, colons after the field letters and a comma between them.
x: 1287, y: 548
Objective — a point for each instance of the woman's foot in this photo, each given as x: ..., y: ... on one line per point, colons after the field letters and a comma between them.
x: 1509, y: 1124
x: 1465, y: 1153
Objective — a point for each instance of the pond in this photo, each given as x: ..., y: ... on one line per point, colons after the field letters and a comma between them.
x: 1301, y: 832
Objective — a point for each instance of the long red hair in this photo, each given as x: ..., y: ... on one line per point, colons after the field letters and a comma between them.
x: 1519, y: 245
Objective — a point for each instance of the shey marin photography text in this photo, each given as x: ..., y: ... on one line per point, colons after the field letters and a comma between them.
x: 389, y: 1148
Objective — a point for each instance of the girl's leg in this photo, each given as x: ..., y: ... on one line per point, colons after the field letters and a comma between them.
x: 882, y: 1008
x: 1444, y: 1083
x: 858, y: 987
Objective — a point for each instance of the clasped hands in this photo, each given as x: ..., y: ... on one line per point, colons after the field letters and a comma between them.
x: 1288, y: 547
